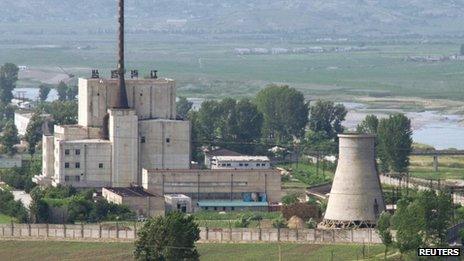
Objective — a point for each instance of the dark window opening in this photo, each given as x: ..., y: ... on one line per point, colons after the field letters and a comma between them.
x: 66, y: 165
x: 78, y: 178
x: 78, y: 152
x: 100, y: 165
x: 66, y: 152
x: 78, y: 165
x: 66, y: 178
x: 168, y: 140
x: 142, y: 140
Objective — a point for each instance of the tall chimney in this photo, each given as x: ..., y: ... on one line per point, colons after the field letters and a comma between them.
x: 355, y: 200
x: 121, y: 101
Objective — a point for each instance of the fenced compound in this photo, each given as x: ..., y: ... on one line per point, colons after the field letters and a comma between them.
x: 98, y: 232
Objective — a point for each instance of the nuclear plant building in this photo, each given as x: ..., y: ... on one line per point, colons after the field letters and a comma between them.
x: 127, y: 127
x: 355, y: 200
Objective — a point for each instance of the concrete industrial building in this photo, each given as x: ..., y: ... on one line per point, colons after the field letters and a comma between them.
x: 356, y: 199
x: 253, y: 188
x: 146, y: 135
x: 128, y: 135
x: 138, y: 200
x: 240, y: 162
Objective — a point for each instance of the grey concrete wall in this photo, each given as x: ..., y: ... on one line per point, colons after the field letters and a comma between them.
x: 91, y: 232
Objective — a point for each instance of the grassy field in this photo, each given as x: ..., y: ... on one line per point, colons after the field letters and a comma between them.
x: 50, y: 250
x: 4, y: 219
x: 449, y: 167
x: 206, y: 66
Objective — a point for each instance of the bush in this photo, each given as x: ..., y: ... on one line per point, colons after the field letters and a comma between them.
x: 290, y: 199
x: 10, y: 207
x: 302, y: 210
x: 279, y: 223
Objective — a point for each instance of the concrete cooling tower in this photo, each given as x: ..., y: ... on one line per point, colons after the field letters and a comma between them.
x: 356, y: 199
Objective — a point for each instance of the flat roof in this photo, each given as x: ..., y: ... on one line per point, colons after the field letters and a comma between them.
x: 231, y: 203
x: 241, y: 158
x: 86, y: 141
x: 130, y: 192
x: 222, y: 152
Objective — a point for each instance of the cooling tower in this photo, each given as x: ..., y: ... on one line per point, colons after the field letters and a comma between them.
x: 356, y: 199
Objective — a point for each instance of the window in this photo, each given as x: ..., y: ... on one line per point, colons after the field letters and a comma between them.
x: 77, y: 178
x: 66, y: 165
x: 264, y: 164
x: 223, y: 208
x: 66, y: 178
x: 78, y: 152
x: 257, y: 164
x: 223, y: 164
x: 246, y: 164
x: 215, y: 208
x: 100, y: 165
x: 240, y: 164
x: 66, y: 152
x: 77, y: 165
x: 228, y: 165
x: 142, y: 140
x: 168, y: 140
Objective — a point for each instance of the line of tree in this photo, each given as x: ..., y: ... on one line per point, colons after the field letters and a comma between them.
x: 278, y: 115
x: 420, y: 220
x: 394, y: 140
x: 12, y: 208
x: 79, y: 205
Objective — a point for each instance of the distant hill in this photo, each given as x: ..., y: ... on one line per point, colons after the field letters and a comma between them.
x: 342, y: 17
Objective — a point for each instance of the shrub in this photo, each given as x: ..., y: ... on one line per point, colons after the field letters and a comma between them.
x: 302, y: 210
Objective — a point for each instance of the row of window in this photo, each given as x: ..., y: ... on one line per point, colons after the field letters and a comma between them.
x: 243, y: 164
x: 72, y: 178
x: 77, y: 165
x: 68, y: 152
x: 143, y: 140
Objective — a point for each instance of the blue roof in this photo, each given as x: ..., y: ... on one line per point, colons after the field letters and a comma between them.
x: 230, y: 203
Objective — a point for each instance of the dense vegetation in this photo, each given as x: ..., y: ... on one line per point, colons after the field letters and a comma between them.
x: 170, y: 237
x: 78, y: 206
x: 12, y: 208
x: 21, y: 177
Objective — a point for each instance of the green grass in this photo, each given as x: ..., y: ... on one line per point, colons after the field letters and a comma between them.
x: 205, y: 68
x: 449, y: 167
x: 4, y: 219
x: 308, y: 174
x: 52, y: 250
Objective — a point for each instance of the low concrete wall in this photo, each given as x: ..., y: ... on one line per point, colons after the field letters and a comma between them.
x: 96, y: 232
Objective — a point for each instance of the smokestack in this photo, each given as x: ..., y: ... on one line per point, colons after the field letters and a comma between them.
x: 121, y: 101
x: 356, y: 199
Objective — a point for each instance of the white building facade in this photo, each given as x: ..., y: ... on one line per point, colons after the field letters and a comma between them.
x: 240, y: 162
x: 146, y: 135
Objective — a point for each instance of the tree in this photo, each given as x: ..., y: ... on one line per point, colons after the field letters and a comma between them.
x: 395, y: 143
x: 409, y: 223
x: 325, y: 123
x: 290, y: 199
x: 10, y: 138
x: 71, y: 93
x: 62, y: 90
x: 228, y: 123
x: 171, y: 237
x: 285, y: 113
x: 63, y: 112
x: 8, y: 78
x: 369, y: 125
x: 183, y: 106
x: 327, y: 117
x: 44, y: 90
x: 34, y: 132
x: 383, y: 226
